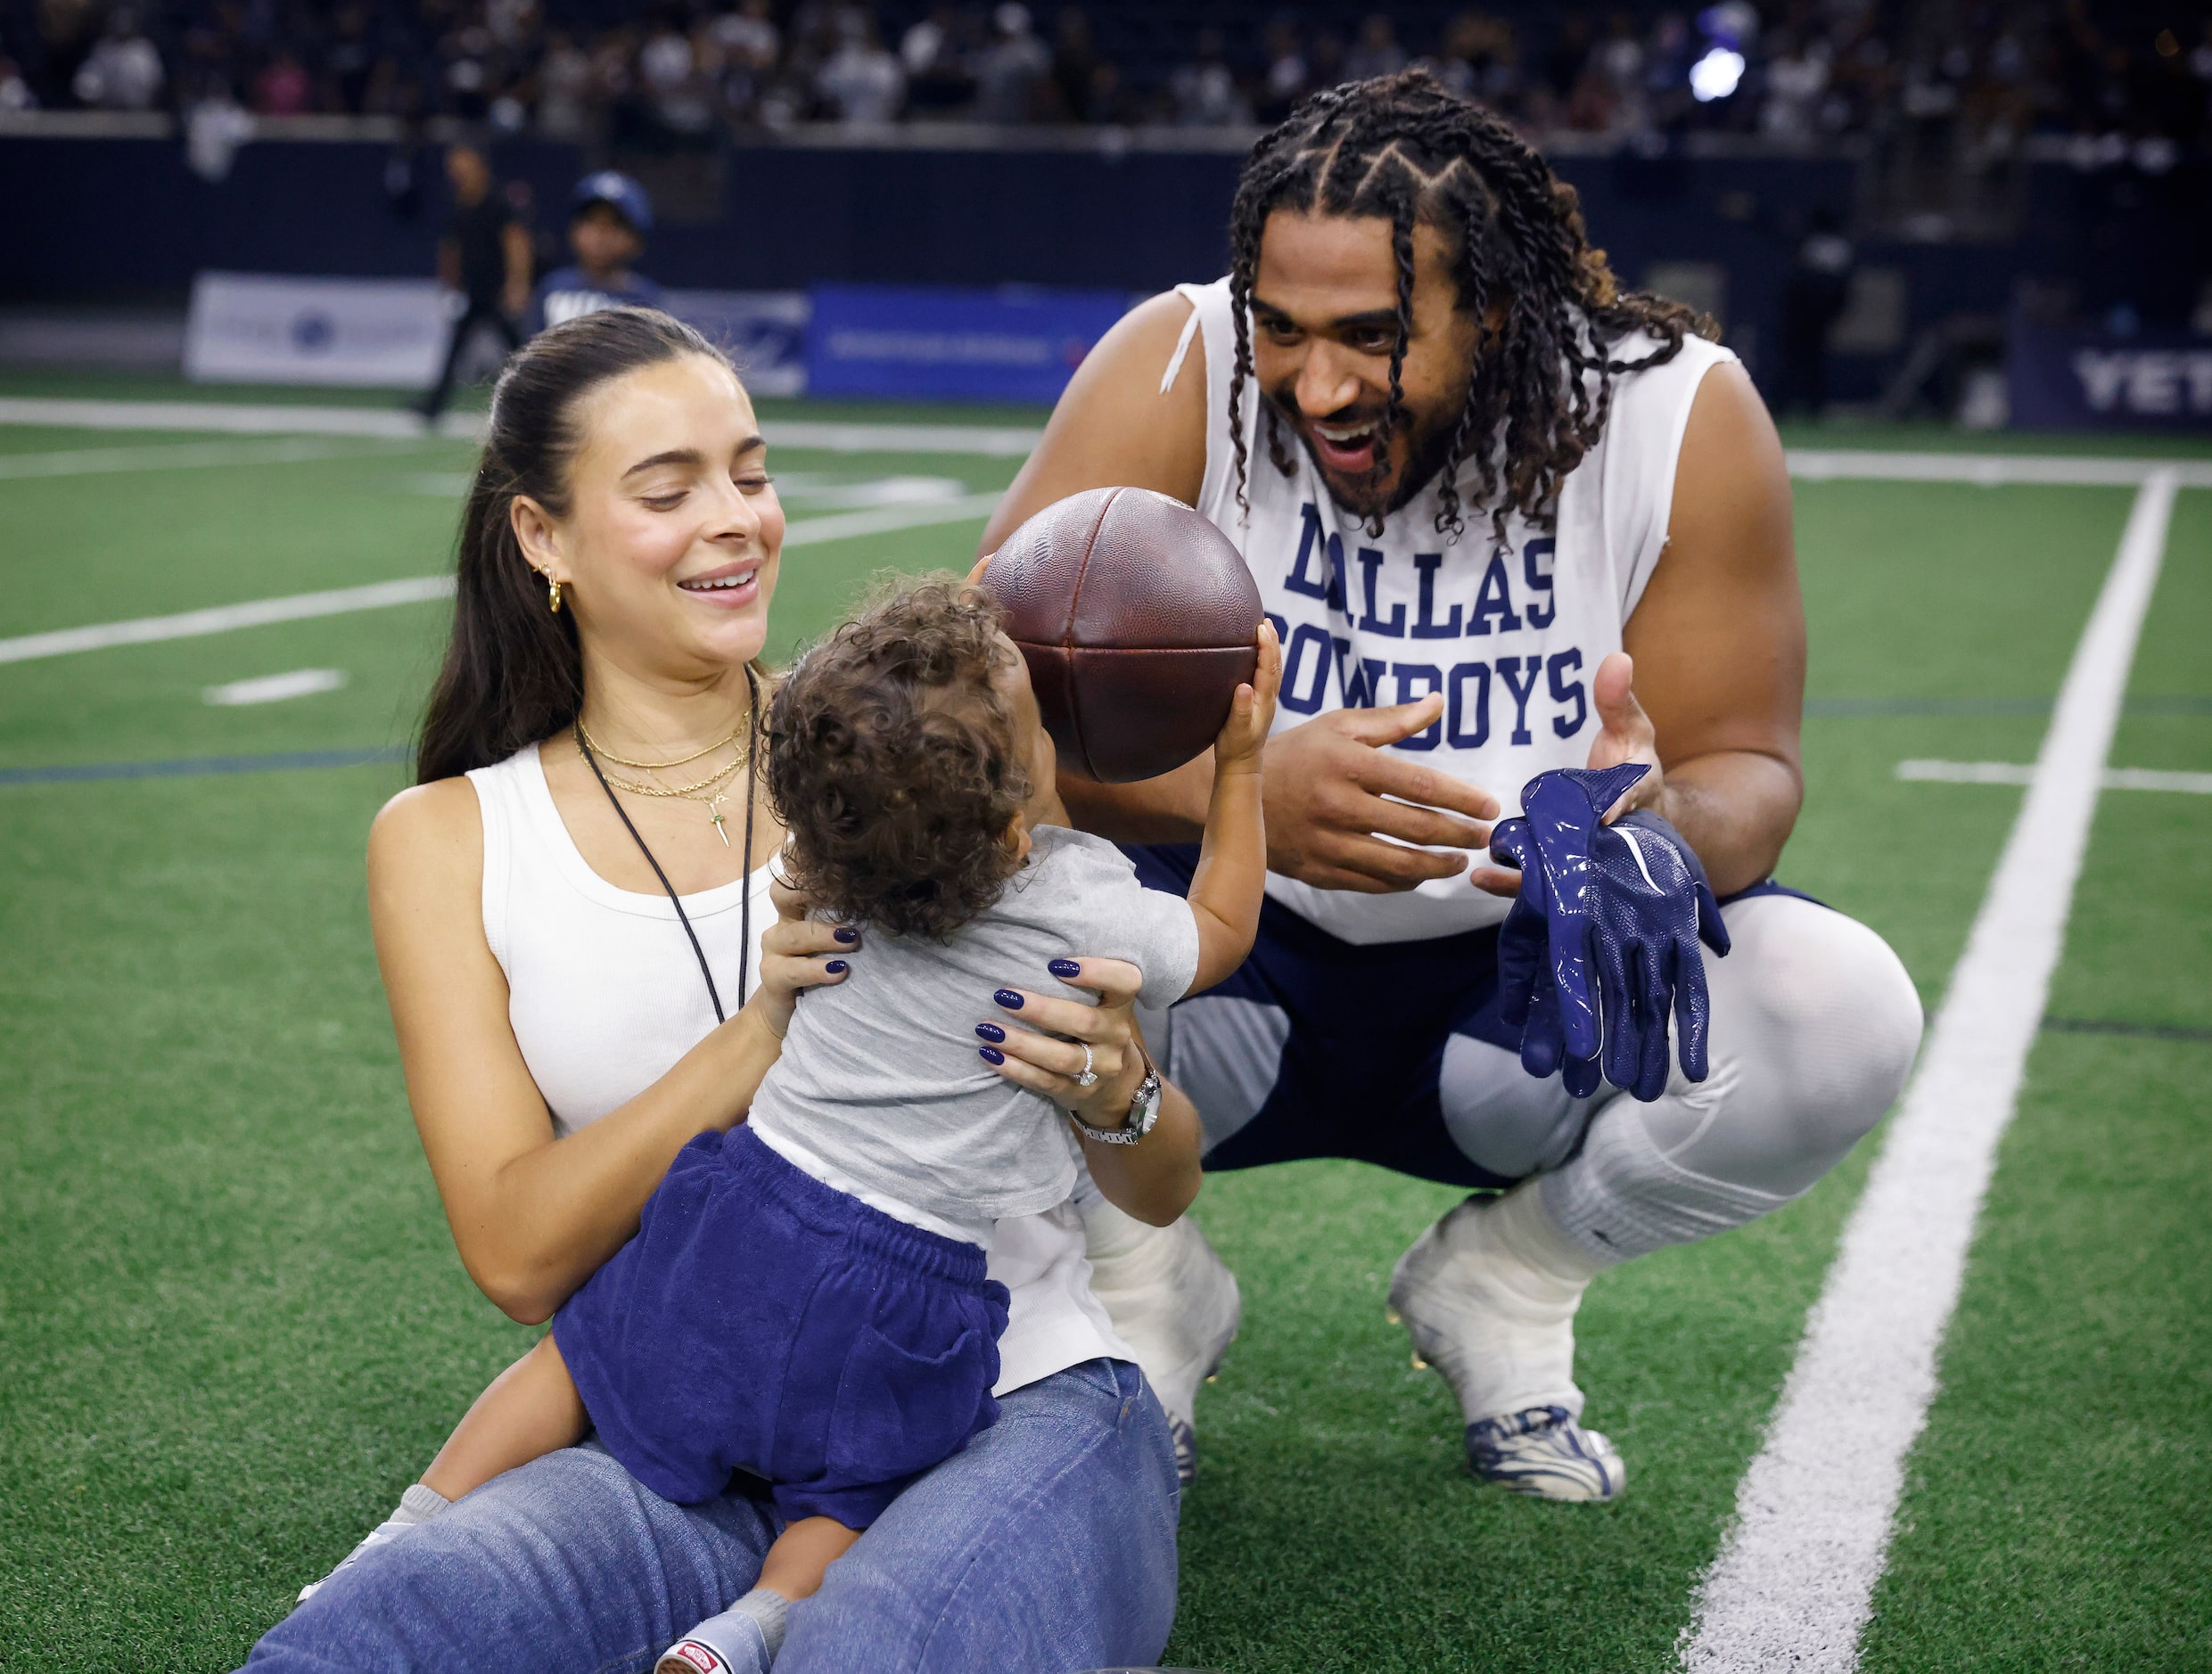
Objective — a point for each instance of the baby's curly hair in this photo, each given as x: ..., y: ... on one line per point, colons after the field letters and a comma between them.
x: 896, y: 766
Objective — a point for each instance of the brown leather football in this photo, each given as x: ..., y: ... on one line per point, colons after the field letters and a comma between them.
x: 1138, y: 618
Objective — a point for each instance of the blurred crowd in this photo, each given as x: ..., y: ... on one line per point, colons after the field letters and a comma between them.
x: 1988, y: 73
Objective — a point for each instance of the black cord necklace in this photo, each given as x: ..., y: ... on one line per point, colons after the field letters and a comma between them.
x: 745, y: 901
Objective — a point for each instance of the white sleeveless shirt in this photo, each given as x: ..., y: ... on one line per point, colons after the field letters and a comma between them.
x: 1509, y: 632
x: 604, y: 996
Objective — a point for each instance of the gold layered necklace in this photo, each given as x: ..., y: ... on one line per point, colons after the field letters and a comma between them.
x: 711, y: 791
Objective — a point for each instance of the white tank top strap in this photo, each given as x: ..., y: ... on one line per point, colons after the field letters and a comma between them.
x: 1643, y: 444
x: 494, y: 789
x: 1216, y: 327
x: 1182, y: 343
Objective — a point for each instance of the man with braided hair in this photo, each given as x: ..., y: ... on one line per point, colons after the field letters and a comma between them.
x: 1508, y: 521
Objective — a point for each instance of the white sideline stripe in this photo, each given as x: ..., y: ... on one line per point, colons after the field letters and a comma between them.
x: 250, y: 419
x: 1014, y: 442
x: 1993, y: 470
x: 232, y: 418
x: 415, y: 589
x: 2014, y: 773
x: 1793, y: 1585
x: 222, y: 618
x: 87, y: 462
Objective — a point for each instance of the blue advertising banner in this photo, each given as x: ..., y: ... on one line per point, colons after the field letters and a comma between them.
x: 1013, y: 344
x: 2088, y: 380
x: 765, y: 332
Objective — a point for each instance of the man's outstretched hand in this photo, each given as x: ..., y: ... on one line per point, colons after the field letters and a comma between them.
x: 1334, y: 790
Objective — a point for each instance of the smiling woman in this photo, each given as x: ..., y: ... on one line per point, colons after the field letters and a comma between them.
x: 560, y: 913
x: 570, y: 510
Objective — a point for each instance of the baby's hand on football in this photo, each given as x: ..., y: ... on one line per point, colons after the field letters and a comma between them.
x: 797, y: 953
x: 1252, y: 711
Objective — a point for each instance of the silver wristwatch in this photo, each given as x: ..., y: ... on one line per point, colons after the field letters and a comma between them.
x: 1144, y: 1110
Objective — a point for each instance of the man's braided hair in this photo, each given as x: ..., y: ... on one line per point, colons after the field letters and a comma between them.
x: 1401, y: 149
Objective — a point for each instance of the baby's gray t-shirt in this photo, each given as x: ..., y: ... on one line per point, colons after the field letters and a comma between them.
x: 880, y: 1079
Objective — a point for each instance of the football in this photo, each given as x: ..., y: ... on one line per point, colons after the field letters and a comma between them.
x: 1136, y: 617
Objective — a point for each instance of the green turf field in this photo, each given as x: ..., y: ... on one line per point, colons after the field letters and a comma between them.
x: 231, y: 1324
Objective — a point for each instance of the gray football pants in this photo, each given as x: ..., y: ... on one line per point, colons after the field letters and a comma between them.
x: 1815, y: 1024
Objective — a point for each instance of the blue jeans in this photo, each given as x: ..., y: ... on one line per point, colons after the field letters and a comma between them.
x: 1048, y: 1543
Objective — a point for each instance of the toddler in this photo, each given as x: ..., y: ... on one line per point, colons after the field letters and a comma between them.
x: 805, y: 1299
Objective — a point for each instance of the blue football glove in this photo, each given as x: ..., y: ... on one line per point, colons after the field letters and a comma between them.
x: 1546, y: 985
x: 1599, y: 948
x: 1653, y: 907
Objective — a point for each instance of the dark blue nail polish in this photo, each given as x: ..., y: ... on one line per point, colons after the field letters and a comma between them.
x: 846, y: 935
x: 1009, y: 998
x: 835, y: 967
x: 991, y: 1055
x: 991, y: 1031
x: 1064, y: 968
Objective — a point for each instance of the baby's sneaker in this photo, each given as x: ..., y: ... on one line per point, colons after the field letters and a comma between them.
x: 744, y: 1639
x: 419, y: 1503
x: 728, y: 1643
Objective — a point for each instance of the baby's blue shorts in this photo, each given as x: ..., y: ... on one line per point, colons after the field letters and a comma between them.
x: 761, y: 1321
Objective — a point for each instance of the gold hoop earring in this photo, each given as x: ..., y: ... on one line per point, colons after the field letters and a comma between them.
x: 552, y: 595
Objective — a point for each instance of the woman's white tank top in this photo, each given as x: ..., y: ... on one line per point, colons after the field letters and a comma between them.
x: 604, y: 996
x: 1510, y: 632
x: 602, y: 989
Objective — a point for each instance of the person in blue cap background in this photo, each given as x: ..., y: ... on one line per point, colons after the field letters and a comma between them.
x: 609, y: 216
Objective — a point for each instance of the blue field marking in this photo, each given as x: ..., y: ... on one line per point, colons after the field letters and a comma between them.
x: 194, y: 767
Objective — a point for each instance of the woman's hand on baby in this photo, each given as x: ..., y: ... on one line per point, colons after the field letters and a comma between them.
x: 797, y: 953
x: 1026, y: 1044
x: 1252, y: 711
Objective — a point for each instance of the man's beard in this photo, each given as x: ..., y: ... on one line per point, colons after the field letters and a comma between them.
x: 1431, y: 444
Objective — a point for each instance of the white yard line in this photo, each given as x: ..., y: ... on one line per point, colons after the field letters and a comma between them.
x: 90, y: 462
x: 887, y: 519
x: 1993, y: 470
x: 989, y: 441
x: 274, y: 688
x: 2156, y: 779
x: 1794, y: 1582
x: 415, y: 589
x: 2014, y: 773
x: 1015, y: 441
x: 232, y: 418
x: 248, y: 419
x: 220, y: 620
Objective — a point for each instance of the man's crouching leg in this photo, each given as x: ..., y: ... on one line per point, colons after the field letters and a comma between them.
x: 1814, y: 1028
x: 1174, y: 1302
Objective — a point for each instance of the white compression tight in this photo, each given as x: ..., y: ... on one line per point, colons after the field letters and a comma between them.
x: 1814, y: 1028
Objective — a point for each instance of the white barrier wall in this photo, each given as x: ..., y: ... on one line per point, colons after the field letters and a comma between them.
x: 260, y: 328
x: 266, y: 328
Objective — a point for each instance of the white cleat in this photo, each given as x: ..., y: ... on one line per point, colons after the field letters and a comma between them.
x: 1488, y: 1296
x: 1174, y: 1302
x: 1545, y: 1453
